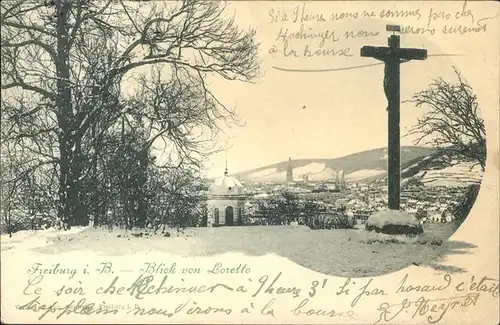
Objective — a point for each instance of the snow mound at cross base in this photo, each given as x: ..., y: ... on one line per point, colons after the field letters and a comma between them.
x: 394, y: 222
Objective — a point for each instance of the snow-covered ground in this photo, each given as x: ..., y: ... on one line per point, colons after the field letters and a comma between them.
x: 326, y: 174
x: 461, y: 174
x: 316, y: 172
x: 392, y: 217
x: 309, y: 169
x: 30, y: 239
x: 276, y: 177
x: 267, y: 175
x: 364, y: 173
x: 262, y: 173
x: 353, y: 252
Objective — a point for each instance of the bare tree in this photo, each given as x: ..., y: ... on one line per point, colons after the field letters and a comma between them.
x: 27, y: 161
x: 173, y: 114
x: 178, y: 116
x: 44, y: 50
x: 453, y: 123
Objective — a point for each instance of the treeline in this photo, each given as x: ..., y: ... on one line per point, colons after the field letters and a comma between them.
x: 287, y: 207
x: 106, y: 111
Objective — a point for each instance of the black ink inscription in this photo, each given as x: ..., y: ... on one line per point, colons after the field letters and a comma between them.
x: 434, y: 310
x: 80, y: 307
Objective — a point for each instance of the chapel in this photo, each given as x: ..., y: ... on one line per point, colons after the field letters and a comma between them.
x: 226, y: 202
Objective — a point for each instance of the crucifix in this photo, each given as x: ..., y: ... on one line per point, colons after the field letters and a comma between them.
x: 393, y: 56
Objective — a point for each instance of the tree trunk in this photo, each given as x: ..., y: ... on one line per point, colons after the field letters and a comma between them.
x: 65, y: 119
x: 141, y: 198
x: 77, y: 191
x: 9, y: 223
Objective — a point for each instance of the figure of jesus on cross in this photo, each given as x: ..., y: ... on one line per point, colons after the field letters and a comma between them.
x: 393, y: 56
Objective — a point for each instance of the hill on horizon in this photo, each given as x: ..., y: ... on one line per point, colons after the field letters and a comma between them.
x: 360, y: 165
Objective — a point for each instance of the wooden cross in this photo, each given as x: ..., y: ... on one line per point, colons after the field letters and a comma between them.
x: 393, y: 56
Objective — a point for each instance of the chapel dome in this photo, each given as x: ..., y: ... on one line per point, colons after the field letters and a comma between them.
x: 226, y: 185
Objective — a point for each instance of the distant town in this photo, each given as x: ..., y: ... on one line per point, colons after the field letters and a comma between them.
x: 360, y: 199
x: 324, y: 204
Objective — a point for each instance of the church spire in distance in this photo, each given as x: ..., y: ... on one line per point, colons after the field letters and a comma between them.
x: 289, y: 171
x: 225, y: 171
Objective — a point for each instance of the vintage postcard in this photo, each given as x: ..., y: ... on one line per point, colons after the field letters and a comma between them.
x: 250, y: 162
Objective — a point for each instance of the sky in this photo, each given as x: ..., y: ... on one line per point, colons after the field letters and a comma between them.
x: 319, y: 114
x: 329, y: 114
